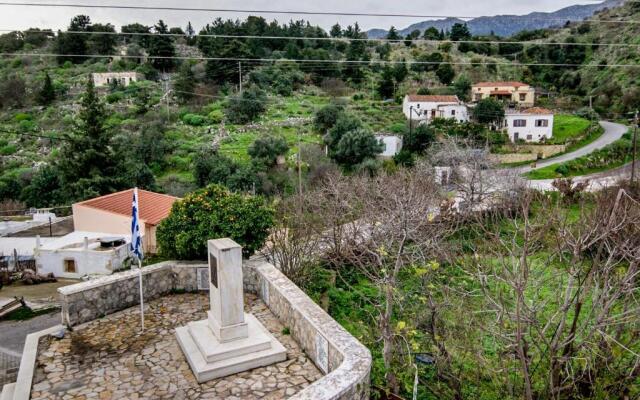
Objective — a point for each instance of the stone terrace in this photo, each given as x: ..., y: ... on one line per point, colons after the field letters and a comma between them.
x: 109, y: 359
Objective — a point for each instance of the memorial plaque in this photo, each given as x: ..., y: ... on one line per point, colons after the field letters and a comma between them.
x: 213, y: 266
x: 202, y: 278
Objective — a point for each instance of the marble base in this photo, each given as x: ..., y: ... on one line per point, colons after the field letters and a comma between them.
x: 209, y: 358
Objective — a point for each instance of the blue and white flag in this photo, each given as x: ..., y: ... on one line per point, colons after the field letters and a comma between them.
x: 136, y: 237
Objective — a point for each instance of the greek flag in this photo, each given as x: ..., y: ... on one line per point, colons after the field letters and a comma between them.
x: 136, y: 237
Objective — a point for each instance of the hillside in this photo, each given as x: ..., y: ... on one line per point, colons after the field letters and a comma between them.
x: 508, y: 25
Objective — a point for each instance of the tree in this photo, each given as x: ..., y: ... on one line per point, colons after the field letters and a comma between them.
x: 160, y: 47
x: 460, y: 32
x: 47, y: 94
x: 102, y: 43
x: 488, y: 111
x: 431, y: 33
x: 327, y: 116
x: 419, y: 139
x: 211, y: 167
x: 45, y: 188
x: 184, y: 83
x: 73, y: 46
x: 462, y: 87
x: 190, y: 34
x: 400, y: 72
x: 445, y: 73
x: 355, y: 146
x: 246, y: 107
x: 387, y: 85
x: 266, y: 150
x: 211, y: 213
x: 336, y: 31
x: 344, y: 123
x: 142, y: 40
x: 393, y: 34
x: 13, y: 91
x: 88, y: 164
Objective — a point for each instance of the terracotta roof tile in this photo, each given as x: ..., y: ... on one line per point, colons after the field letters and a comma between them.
x: 499, y: 84
x: 433, y: 98
x: 538, y: 111
x: 154, y: 207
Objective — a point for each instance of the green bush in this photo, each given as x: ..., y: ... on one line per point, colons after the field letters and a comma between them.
x: 8, y: 150
x: 114, y: 97
x: 216, y: 116
x: 194, y: 119
x: 19, y: 117
x: 212, y: 213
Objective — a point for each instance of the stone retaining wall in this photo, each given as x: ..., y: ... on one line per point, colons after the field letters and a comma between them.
x: 345, y: 362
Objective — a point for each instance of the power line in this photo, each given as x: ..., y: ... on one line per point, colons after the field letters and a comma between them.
x: 304, y: 61
x: 345, y: 39
x: 291, y: 12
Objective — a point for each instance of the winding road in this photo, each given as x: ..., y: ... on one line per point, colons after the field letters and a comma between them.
x: 612, y: 132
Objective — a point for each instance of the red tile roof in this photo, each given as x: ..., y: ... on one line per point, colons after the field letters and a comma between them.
x: 433, y: 98
x: 499, y: 84
x: 537, y: 111
x: 154, y: 207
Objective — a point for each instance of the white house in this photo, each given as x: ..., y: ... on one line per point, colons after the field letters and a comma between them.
x: 82, y: 253
x: 101, y: 79
x: 426, y: 108
x: 531, y: 125
x: 392, y: 145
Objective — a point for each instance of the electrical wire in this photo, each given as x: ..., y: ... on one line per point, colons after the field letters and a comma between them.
x: 290, y: 12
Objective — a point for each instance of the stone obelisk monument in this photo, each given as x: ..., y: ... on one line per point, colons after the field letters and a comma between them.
x: 229, y: 340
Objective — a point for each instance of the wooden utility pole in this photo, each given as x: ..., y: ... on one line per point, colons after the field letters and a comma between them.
x: 300, y: 166
x: 240, y: 76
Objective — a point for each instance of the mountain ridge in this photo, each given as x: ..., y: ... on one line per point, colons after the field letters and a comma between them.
x: 508, y: 25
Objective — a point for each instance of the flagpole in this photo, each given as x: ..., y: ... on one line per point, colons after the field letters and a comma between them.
x: 141, y: 296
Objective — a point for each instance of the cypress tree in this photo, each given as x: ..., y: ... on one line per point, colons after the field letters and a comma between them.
x: 47, y: 94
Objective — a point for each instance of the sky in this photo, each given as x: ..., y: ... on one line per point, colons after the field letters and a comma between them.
x: 22, y: 17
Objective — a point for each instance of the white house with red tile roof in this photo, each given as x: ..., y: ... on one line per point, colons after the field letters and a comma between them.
x: 531, y: 125
x: 515, y: 92
x: 100, y: 241
x: 426, y: 108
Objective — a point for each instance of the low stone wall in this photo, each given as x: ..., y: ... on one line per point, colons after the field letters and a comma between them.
x: 547, y: 150
x: 345, y: 362
x: 514, y: 158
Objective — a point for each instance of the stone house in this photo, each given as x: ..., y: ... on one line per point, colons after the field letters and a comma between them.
x: 102, y: 79
x: 513, y: 92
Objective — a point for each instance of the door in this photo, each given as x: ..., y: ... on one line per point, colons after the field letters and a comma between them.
x: 516, y: 136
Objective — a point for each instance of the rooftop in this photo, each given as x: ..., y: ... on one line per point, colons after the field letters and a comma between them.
x: 110, y: 358
x: 532, y: 111
x: 433, y: 98
x: 154, y: 207
x: 500, y: 84
x: 75, y: 240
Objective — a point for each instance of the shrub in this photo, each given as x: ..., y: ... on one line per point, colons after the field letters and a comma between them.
x: 216, y: 116
x: 246, y: 107
x: 211, y: 213
x: 265, y: 150
x: 193, y: 119
x: 8, y: 150
x: 19, y: 117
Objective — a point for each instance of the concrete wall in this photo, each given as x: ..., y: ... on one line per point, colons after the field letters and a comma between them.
x: 426, y: 110
x: 392, y: 145
x: 345, y: 361
x: 87, y: 261
x: 91, y: 219
x: 122, y: 78
x: 529, y: 93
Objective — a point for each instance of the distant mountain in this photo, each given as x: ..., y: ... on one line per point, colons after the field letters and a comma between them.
x: 508, y: 25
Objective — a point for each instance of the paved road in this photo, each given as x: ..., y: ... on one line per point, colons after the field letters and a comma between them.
x: 612, y: 132
x: 13, y: 333
x: 596, y: 181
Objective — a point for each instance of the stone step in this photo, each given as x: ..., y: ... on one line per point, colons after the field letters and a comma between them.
x: 212, y: 350
x: 205, y: 371
x: 7, y: 391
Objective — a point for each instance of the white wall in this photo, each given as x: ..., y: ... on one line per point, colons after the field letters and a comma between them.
x: 461, y: 112
x: 106, y: 78
x: 392, y: 145
x: 426, y: 111
x: 537, y: 133
x: 87, y: 261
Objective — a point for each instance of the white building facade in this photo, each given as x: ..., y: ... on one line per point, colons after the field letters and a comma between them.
x: 102, y: 79
x: 429, y: 107
x: 533, y: 125
x: 392, y: 145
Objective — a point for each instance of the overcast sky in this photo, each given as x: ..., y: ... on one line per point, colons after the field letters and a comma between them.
x: 21, y: 17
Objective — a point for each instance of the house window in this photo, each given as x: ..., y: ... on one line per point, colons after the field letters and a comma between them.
x: 519, y: 123
x: 478, y: 96
x: 529, y: 138
x: 542, y: 123
x: 70, y: 266
x: 523, y: 96
x: 453, y: 112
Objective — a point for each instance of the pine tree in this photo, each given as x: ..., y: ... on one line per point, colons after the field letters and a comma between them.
x: 161, y: 46
x: 47, y: 94
x: 393, y: 34
x: 190, y: 33
x: 336, y: 31
x: 185, y: 83
x: 87, y: 162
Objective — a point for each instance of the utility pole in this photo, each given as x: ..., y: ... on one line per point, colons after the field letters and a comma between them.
x: 300, y: 167
x: 410, y: 121
x: 240, y: 75
x: 635, y: 149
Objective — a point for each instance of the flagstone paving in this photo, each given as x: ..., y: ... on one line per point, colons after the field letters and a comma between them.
x: 110, y: 359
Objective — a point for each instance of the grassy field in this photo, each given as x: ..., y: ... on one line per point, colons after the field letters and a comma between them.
x: 568, y: 127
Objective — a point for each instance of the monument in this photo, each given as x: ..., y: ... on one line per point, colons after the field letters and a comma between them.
x: 229, y: 340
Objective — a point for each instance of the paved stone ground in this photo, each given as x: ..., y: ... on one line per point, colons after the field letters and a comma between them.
x: 110, y: 359
x: 9, y: 365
